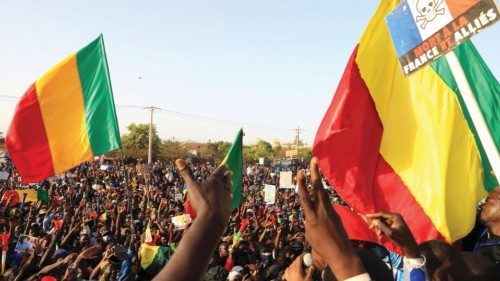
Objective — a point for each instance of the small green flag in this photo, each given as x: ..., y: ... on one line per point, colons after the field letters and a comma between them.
x: 234, y: 162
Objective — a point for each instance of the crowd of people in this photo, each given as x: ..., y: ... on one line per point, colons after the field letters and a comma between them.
x: 117, y: 223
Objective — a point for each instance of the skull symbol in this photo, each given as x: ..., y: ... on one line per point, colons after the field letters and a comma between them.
x: 428, y: 11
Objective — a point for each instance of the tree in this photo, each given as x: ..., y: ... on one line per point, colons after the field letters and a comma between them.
x: 279, y: 151
x: 136, y: 142
x: 222, y: 149
x: 172, y: 149
x: 260, y: 149
x: 305, y: 153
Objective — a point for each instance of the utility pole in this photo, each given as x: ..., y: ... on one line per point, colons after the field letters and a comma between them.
x: 297, y: 138
x: 150, y: 147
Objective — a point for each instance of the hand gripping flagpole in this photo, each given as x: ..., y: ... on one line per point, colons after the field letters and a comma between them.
x: 475, y: 113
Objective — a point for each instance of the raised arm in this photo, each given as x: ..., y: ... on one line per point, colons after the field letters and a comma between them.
x: 325, y: 231
x: 211, y: 200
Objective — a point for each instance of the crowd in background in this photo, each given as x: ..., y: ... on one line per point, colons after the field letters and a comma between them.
x: 98, y: 220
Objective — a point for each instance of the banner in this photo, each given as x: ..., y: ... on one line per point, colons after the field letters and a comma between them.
x: 423, y: 30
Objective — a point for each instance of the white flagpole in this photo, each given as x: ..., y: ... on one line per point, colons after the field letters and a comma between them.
x: 475, y: 113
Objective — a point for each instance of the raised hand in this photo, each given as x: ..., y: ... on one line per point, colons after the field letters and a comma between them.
x: 212, y: 196
x: 69, y: 258
x: 394, y: 226
x: 324, y: 230
x: 89, y: 253
x: 295, y: 271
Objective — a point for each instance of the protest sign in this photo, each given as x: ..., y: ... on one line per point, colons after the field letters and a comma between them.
x: 286, y: 179
x: 423, y: 30
x: 269, y: 193
x: 179, y: 197
x: 106, y: 167
x: 4, y: 176
x: 181, y: 221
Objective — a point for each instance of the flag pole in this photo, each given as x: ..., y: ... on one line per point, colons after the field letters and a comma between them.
x: 475, y: 113
x: 127, y: 189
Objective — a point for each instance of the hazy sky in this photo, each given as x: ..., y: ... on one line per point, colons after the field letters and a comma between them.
x: 213, y: 66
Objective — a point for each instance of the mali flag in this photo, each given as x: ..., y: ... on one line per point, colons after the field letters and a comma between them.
x: 65, y: 117
x: 32, y: 195
x: 407, y: 144
x: 153, y: 258
x: 234, y: 162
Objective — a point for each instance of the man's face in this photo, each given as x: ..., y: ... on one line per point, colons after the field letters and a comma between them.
x: 84, y: 240
x: 491, y: 209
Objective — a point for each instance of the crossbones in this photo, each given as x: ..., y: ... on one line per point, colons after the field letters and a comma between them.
x: 429, y: 10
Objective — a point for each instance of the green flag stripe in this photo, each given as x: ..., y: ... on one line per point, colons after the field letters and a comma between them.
x: 484, y: 85
x: 442, y: 68
x: 100, y: 112
x: 234, y: 162
x: 159, y: 261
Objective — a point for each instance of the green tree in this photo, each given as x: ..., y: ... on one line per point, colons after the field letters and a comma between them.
x: 172, y: 149
x: 305, y: 153
x: 260, y: 149
x: 279, y: 151
x: 263, y: 149
x: 222, y: 149
x: 136, y: 142
x: 208, y: 150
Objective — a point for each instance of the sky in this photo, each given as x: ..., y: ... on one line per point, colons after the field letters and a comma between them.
x: 211, y: 66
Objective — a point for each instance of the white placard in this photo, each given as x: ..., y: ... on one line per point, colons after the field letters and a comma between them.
x: 179, y: 197
x: 4, y: 176
x: 181, y: 221
x: 286, y: 180
x: 269, y: 193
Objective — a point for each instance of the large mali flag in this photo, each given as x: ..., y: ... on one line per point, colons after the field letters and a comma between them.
x: 407, y: 144
x: 153, y: 258
x: 234, y: 162
x: 66, y: 117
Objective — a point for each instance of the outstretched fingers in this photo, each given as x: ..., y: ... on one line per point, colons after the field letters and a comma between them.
x: 382, y: 215
x: 225, y: 175
x: 304, y: 199
x: 319, y: 192
x: 185, y: 172
x: 381, y: 226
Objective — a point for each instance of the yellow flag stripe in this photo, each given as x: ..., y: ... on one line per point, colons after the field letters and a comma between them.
x: 426, y: 139
x: 61, y: 102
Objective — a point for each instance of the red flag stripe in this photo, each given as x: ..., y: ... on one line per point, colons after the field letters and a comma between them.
x: 347, y: 147
x: 27, y: 139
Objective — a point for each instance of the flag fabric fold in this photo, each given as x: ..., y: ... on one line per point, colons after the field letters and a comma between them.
x: 65, y: 117
x: 153, y: 258
x: 405, y: 144
x: 234, y: 162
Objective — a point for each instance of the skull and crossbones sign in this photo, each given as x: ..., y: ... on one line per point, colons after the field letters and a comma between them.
x: 429, y: 10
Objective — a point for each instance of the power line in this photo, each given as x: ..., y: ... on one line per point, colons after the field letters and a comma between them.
x: 221, y: 121
x: 185, y: 115
x: 10, y: 97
